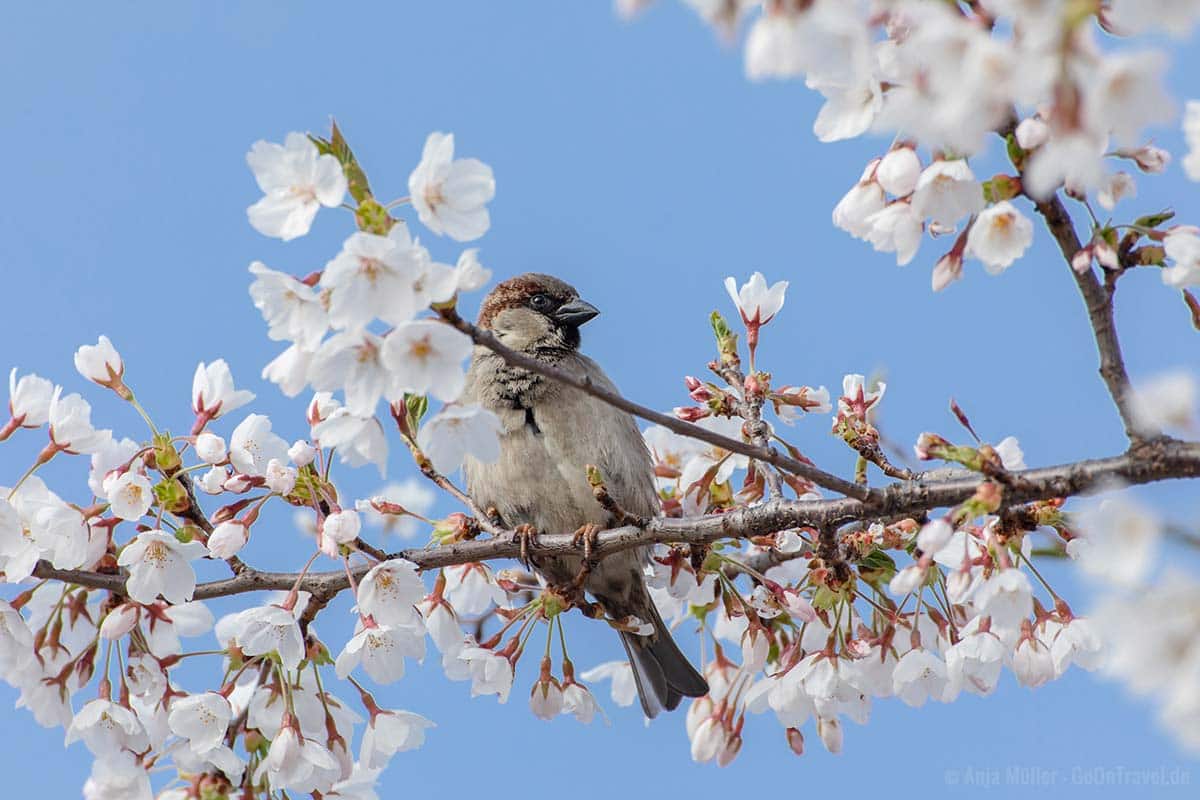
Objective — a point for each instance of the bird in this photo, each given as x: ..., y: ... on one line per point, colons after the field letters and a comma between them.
x: 550, y: 433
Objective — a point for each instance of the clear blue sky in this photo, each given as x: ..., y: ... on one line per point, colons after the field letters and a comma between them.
x: 633, y: 160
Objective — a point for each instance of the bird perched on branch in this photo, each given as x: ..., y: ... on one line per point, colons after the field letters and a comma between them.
x: 551, y: 433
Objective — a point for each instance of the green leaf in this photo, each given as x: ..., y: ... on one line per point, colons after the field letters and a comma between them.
x: 1016, y: 154
x: 825, y: 598
x: 337, y: 147
x: 876, y: 567
x: 1194, y: 306
x: 878, y: 559
x: 1154, y: 220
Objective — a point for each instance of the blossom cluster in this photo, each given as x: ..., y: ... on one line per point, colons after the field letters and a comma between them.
x: 821, y: 631
x: 270, y: 724
x: 352, y: 327
x: 947, y: 79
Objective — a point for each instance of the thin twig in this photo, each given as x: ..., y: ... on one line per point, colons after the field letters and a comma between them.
x: 585, y: 384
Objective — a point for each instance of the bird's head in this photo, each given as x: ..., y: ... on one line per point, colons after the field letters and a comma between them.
x: 534, y: 312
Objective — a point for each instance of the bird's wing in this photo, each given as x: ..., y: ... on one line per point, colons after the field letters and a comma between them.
x: 609, y: 438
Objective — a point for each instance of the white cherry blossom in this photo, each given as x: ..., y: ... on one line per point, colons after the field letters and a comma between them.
x: 202, y: 719
x: 1032, y: 133
x: 1074, y: 158
x: 449, y: 194
x: 975, y: 661
x: 210, y: 448
x: 580, y: 703
x: 391, y: 732
x: 469, y: 273
x: 107, y: 729
x: 100, y: 363
x: 158, y: 565
x: 253, y: 445
x: 1006, y: 597
x: 279, y: 477
x: 390, y: 592
x: 228, y: 539
x: 213, y: 394
x: 120, y: 621
x: 458, y: 432
x: 298, y: 763
x: 113, y: 455
x: 472, y: 589
x: 898, y: 171
x: 756, y: 302
x: 546, y: 699
x: 296, y: 181
x: 71, y: 428
x: 1032, y: 662
x: 426, y: 357
x: 1125, y: 94
x: 490, y: 673
x: 1115, y: 187
x: 920, y: 675
x: 624, y: 690
x: 292, y: 309
x: 16, y: 639
x: 302, y: 453
x: 28, y: 400
x: 1191, y: 134
x: 1182, y: 246
x: 358, y: 440
x: 897, y: 228
x: 1001, y: 234
x: 352, y: 362
x: 374, y: 276
x: 855, y: 209
x: 270, y: 629
x: 1075, y: 641
x: 289, y: 370
x: 130, y: 496
x: 1167, y: 400
x: 118, y: 776
x: 1119, y: 543
x: 947, y: 191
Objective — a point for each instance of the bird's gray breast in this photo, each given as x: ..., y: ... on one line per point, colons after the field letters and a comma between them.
x: 550, y: 433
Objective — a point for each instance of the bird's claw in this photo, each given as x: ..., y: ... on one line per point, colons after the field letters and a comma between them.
x: 524, y: 535
x: 586, y: 538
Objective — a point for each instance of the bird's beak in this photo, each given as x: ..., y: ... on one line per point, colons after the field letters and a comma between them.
x: 575, y: 313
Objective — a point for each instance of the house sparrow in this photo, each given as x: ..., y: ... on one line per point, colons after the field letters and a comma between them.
x: 551, y: 432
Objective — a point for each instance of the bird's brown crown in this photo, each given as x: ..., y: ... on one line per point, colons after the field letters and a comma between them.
x: 517, y: 292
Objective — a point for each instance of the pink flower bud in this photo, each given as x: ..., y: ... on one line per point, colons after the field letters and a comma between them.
x: 795, y: 740
x: 120, y: 621
x: 691, y: 413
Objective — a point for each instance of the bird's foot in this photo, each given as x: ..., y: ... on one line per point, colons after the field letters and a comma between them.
x: 585, y: 538
x: 524, y: 535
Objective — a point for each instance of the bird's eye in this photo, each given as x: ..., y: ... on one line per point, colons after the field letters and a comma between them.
x: 540, y: 302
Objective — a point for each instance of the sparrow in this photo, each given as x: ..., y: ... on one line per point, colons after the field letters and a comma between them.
x: 550, y: 434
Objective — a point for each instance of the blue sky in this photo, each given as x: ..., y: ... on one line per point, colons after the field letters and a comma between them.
x: 636, y: 162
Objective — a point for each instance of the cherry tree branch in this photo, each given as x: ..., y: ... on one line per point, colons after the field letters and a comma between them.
x: 1096, y: 298
x: 1099, y: 303
x: 1148, y: 462
x: 585, y: 384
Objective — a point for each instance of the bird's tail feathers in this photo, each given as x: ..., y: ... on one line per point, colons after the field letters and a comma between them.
x: 662, y: 673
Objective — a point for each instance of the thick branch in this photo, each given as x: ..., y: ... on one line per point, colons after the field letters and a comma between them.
x: 1155, y: 460
x: 584, y: 384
